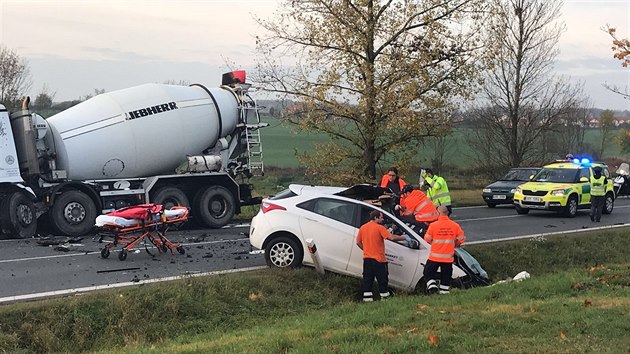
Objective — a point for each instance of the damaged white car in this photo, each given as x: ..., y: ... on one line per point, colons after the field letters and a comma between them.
x: 331, y: 217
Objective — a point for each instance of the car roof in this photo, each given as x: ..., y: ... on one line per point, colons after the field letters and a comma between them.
x: 573, y: 165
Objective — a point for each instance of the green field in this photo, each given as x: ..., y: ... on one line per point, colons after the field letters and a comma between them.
x: 281, y: 141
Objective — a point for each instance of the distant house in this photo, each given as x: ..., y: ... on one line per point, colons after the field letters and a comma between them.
x: 618, y: 120
x: 621, y: 120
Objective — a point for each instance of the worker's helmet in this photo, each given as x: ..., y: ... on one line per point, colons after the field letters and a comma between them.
x: 597, y: 170
x: 407, y: 188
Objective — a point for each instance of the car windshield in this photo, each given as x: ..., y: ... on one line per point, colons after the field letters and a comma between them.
x: 518, y: 175
x: 557, y: 175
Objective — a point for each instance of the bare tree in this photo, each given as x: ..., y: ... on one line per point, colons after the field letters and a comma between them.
x: 14, y: 78
x: 522, y: 99
x: 376, y: 76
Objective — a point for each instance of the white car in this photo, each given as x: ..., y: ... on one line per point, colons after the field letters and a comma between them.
x: 331, y: 217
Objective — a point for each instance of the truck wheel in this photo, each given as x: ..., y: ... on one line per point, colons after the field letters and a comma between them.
x: 18, y: 216
x: 215, y: 206
x: 170, y: 197
x: 73, y: 213
x: 572, y: 206
x: 609, y: 204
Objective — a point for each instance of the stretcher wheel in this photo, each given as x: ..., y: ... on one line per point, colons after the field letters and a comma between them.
x: 122, y: 255
x: 181, y: 250
x: 105, y: 252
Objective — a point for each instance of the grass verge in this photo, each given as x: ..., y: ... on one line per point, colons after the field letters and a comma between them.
x: 576, y: 302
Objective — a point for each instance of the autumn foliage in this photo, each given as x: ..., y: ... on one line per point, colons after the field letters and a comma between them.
x: 621, y: 47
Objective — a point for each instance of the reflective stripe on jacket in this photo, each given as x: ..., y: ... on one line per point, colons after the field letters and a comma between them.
x: 444, y: 235
x: 438, y: 191
x: 598, y: 186
x: 417, y: 203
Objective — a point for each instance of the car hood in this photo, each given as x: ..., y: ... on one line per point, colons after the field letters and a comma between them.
x: 546, y: 186
x: 506, y: 184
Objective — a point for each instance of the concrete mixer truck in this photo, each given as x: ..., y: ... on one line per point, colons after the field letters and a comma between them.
x: 123, y: 148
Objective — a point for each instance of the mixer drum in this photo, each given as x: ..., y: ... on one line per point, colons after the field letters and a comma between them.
x: 140, y: 131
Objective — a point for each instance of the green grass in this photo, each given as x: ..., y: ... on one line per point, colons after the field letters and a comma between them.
x: 575, y: 302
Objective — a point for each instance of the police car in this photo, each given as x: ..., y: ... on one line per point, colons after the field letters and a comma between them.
x: 562, y: 186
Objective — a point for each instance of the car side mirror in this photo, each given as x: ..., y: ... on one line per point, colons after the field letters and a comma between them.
x: 583, y: 179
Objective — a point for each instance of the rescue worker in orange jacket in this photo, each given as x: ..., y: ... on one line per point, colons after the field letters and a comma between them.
x: 416, y: 208
x: 371, y: 239
x: 443, y: 235
x: 392, y: 181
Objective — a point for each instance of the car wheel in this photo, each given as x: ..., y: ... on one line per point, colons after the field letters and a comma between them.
x: 571, y: 208
x: 609, y: 204
x: 421, y: 287
x: 520, y: 210
x: 283, y: 252
x: 491, y: 205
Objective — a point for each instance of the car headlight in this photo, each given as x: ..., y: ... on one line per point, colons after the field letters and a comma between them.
x: 514, y: 190
x: 558, y: 192
x: 487, y: 190
x: 517, y: 190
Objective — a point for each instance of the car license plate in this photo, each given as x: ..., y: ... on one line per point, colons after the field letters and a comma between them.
x: 498, y: 197
x: 532, y: 199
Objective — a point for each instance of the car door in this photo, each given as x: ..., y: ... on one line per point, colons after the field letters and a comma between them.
x: 404, y: 263
x: 330, y: 224
x: 586, y: 186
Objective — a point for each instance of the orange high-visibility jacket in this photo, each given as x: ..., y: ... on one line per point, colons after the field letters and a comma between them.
x: 418, y: 204
x: 444, y: 235
x: 385, y: 181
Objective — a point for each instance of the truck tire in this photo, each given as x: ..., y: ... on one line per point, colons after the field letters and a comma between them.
x: 18, y: 216
x: 170, y: 197
x: 215, y: 206
x: 73, y: 213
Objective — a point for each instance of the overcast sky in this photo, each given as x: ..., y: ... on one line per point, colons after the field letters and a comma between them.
x: 76, y: 46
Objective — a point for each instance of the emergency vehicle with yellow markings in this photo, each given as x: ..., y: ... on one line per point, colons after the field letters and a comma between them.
x: 563, y: 186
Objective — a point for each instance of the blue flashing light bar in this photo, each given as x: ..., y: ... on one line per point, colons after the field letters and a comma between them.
x: 576, y: 160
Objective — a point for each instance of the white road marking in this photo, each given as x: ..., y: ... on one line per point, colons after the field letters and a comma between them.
x: 547, y: 234
x: 488, y: 218
x: 73, y: 291
x: 84, y: 253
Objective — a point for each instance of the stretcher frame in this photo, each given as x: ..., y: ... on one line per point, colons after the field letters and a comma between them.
x: 152, y: 229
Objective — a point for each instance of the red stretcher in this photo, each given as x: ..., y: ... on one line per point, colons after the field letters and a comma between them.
x: 145, y: 223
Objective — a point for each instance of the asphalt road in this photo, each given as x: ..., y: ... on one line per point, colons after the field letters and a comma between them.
x: 29, y: 270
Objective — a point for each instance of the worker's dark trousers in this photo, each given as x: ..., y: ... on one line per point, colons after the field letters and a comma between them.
x: 420, y: 227
x: 597, y: 206
x: 430, y: 275
x: 371, y: 269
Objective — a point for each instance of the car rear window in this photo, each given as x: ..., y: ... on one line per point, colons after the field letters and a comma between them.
x: 287, y: 193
